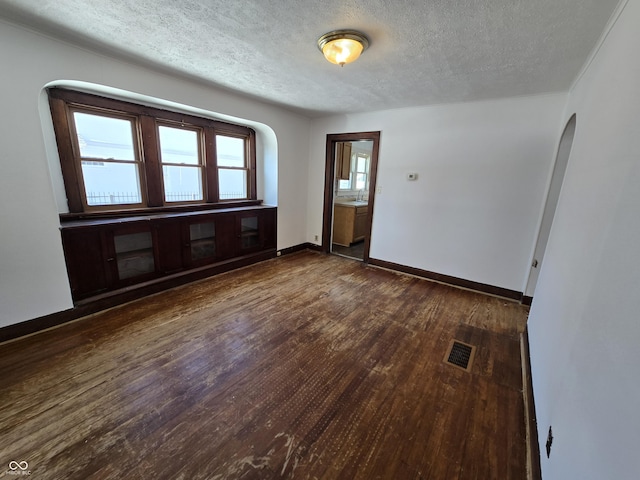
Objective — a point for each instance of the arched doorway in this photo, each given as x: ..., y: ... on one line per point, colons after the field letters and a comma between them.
x: 562, y: 158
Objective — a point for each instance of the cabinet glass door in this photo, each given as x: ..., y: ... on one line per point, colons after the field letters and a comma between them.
x: 249, y: 232
x: 202, y: 238
x: 134, y: 254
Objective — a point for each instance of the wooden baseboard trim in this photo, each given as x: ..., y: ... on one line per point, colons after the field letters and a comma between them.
x: 104, y: 301
x: 298, y: 248
x: 17, y: 330
x: 455, y: 281
x: 534, y: 470
x: 527, y: 300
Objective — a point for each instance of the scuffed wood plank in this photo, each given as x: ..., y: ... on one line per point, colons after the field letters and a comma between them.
x: 305, y: 366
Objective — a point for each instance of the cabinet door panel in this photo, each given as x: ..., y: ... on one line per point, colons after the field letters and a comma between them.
x: 269, y: 219
x: 225, y: 236
x: 346, y: 161
x: 202, y: 241
x: 86, y: 262
x: 360, y: 225
x: 169, y: 245
x: 343, y: 224
x: 133, y: 257
x: 249, y: 232
x: 343, y: 160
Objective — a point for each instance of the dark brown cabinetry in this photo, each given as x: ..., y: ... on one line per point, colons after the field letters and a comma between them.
x: 201, y: 246
x: 110, y: 254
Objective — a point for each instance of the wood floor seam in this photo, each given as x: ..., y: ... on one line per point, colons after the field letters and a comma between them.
x: 303, y: 366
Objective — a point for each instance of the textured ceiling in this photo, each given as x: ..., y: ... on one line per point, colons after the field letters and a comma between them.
x: 422, y: 51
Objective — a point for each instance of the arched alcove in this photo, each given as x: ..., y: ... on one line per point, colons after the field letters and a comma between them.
x: 560, y: 166
x: 266, y: 141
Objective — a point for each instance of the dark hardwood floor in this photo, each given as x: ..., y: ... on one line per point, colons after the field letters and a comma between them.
x: 307, y: 366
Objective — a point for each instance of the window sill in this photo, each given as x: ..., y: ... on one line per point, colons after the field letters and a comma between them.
x: 135, y: 212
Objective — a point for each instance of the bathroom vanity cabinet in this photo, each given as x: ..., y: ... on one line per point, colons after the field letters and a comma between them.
x: 349, y: 222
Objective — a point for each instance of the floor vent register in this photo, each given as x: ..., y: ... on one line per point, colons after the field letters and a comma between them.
x: 460, y: 355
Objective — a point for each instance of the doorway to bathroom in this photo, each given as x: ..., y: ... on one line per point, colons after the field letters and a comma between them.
x: 350, y: 178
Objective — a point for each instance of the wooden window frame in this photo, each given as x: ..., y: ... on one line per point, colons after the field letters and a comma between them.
x: 71, y: 109
x: 200, y: 165
x: 367, y: 159
x: 249, y: 165
x: 147, y: 119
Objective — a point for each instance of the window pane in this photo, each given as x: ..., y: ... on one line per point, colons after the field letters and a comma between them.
x: 230, y: 151
x: 182, y: 184
x: 362, y: 164
x: 249, y: 232
x: 200, y: 231
x: 178, y: 145
x: 134, y: 253
x: 108, y: 183
x: 203, y: 240
x: 344, y: 184
x: 232, y: 183
x: 104, y: 137
x: 361, y: 180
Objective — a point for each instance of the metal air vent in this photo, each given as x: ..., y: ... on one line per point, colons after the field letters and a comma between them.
x: 460, y: 355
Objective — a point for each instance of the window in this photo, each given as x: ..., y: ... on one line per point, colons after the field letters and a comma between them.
x: 182, y: 167
x: 232, y: 167
x: 118, y: 155
x: 359, y: 174
x: 362, y: 171
x: 108, y: 142
x: 344, y: 184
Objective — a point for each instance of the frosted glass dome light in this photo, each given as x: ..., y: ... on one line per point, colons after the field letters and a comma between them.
x: 342, y: 46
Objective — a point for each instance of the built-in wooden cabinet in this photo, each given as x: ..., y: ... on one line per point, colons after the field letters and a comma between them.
x: 108, y: 254
x: 360, y: 223
x: 131, y: 254
x: 349, y: 222
x: 86, y: 256
x: 343, y: 160
x: 201, y: 245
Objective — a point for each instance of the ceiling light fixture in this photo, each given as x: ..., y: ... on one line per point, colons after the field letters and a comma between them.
x: 342, y: 46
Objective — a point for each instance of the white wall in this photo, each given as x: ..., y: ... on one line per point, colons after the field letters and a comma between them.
x: 584, y: 324
x: 33, y: 280
x: 483, y: 170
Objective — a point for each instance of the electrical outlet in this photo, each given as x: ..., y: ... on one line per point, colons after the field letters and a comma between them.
x: 549, y: 441
x: 315, y: 238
